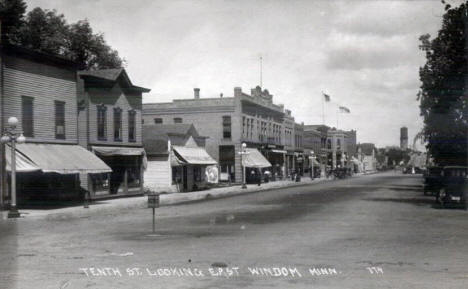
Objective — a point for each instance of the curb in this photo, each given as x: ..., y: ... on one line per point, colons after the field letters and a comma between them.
x: 140, y: 202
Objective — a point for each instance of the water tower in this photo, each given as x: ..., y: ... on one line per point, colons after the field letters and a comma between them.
x: 404, y: 138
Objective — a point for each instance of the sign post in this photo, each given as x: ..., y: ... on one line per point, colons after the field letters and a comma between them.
x: 153, y: 203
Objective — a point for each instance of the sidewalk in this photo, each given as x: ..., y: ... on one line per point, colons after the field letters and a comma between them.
x: 140, y: 202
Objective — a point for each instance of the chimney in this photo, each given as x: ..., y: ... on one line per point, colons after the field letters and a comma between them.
x: 237, y: 91
x: 196, y: 93
x: 221, y: 95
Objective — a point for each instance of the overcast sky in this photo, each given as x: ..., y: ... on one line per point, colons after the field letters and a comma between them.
x: 364, y: 54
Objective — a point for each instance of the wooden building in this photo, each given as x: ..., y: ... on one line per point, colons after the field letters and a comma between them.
x: 177, y: 160
x: 40, y: 91
x: 109, y: 125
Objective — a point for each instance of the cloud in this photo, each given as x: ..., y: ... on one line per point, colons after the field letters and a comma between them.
x: 356, y: 52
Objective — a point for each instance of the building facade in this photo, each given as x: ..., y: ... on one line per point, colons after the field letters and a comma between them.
x: 110, y: 126
x: 230, y: 121
x: 177, y: 160
x: 41, y: 92
x: 332, y: 147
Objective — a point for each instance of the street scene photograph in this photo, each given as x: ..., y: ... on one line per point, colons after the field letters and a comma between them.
x: 233, y: 144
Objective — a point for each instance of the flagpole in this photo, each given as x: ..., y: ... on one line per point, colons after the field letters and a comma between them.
x: 337, y: 111
x: 323, y: 110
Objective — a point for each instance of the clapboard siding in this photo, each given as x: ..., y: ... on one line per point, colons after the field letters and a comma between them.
x: 40, y: 68
x: 114, y: 98
x: 45, y: 90
x: 158, y: 173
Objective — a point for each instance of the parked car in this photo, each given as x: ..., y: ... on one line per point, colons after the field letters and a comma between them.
x: 454, y: 186
x: 432, y: 180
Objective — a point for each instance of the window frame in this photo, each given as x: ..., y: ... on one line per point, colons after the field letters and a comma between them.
x: 101, y: 109
x: 117, y: 112
x: 27, y: 123
x: 132, y: 129
x: 57, y: 104
x: 227, y: 127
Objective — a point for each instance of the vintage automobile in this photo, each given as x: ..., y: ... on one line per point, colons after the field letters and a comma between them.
x: 432, y: 181
x: 454, y: 186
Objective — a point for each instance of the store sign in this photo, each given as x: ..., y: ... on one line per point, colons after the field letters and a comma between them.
x: 212, y: 174
x: 153, y: 201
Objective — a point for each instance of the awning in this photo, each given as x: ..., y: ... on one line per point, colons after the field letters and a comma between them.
x: 194, y: 155
x: 118, y: 151
x: 175, y: 161
x: 63, y: 159
x: 279, y: 151
x: 23, y: 164
x: 316, y: 163
x: 254, y: 159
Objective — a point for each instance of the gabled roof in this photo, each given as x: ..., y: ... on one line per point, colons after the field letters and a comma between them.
x: 111, y: 75
x: 167, y: 129
x: 155, y: 136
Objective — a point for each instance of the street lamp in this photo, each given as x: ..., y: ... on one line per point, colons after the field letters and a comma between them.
x: 243, y: 152
x: 312, y: 156
x: 13, y: 137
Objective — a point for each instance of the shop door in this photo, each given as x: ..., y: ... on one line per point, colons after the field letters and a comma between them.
x: 184, y: 178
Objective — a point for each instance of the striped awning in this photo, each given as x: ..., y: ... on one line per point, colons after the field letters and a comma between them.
x: 23, y: 163
x: 254, y: 159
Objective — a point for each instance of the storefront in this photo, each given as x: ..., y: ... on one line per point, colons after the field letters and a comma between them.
x: 189, y: 168
x: 51, y: 171
x: 256, y: 165
x: 126, y: 178
x: 277, y: 159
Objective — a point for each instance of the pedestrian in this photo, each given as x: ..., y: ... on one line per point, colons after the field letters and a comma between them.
x: 259, y: 178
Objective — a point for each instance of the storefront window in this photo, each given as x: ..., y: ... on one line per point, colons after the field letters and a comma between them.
x: 100, y: 182
x: 197, y: 174
x: 133, y: 176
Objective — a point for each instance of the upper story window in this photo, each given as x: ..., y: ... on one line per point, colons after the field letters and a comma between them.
x: 117, y: 124
x: 177, y: 120
x: 27, y: 119
x: 329, y: 146
x: 338, y: 144
x: 226, y: 127
x: 59, y: 120
x: 132, y: 126
x: 102, y: 122
x: 158, y: 120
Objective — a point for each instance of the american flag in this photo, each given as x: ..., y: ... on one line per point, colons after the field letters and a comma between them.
x: 344, y: 109
x: 326, y: 97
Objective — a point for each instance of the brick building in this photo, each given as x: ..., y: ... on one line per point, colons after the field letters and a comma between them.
x: 332, y: 146
x: 230, y: 121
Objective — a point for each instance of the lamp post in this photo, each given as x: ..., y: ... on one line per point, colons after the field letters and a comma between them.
x: 312, y: 157
x: 243, y: 152
x: 10, y: 135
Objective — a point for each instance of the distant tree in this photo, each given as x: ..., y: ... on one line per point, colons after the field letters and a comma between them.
x: 12, y: 16
x: 443, y: 96
x: 396, y: 155
x: 91, y: 50
x: 46, y: 31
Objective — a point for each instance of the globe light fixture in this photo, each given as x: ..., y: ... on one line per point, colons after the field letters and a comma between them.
x: 11, y: 136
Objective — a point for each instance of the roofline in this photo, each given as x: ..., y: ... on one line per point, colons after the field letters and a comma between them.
x: 38, y: 55
x: 83, y: 75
